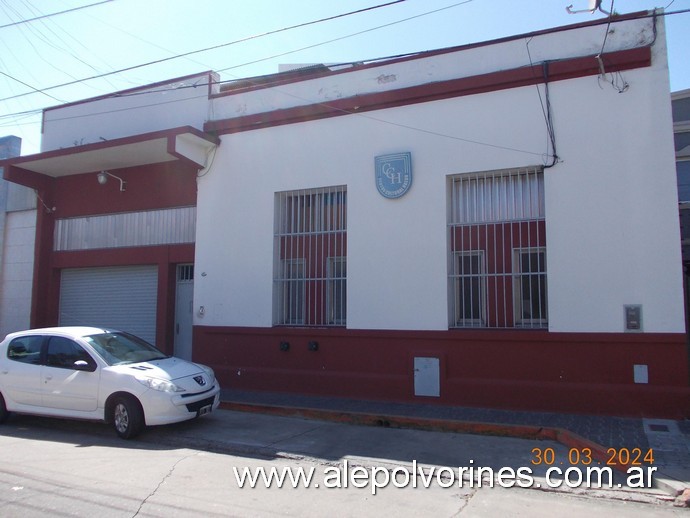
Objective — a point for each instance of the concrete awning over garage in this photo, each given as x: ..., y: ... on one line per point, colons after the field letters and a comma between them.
x: 186, y: 143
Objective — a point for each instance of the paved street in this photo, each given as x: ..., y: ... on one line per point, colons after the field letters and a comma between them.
x: 53, y: 467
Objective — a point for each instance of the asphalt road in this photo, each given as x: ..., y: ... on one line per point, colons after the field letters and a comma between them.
x: 51, y: 467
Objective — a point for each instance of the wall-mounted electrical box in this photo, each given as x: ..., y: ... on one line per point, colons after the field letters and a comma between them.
x: 633, y: 318
x: 427, y: 377
x: 640, y: 374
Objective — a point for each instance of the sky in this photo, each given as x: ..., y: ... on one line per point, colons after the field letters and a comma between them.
x: 158, y: 40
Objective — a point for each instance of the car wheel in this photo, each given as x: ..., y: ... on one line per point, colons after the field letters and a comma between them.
x: 3, y: 410
x: 127, y: 417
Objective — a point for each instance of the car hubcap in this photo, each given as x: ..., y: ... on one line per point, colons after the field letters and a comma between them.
x: 121, y: 418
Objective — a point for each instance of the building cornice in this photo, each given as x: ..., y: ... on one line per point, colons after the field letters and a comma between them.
x: 501, y: 80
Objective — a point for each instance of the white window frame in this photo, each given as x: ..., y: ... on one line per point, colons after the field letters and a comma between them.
x: 337, y: 309
x: 292, y: 314
x: 681, y: 201
x: 480, y: 276
x: 310, y: 227
x: 518, y: 279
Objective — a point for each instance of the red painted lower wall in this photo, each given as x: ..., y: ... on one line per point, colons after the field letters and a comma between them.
x: 528, y: 370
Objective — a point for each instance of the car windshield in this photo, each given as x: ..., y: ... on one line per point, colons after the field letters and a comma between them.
x: 117, y: 348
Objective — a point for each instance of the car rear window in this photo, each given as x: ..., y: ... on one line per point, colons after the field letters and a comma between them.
x: 25, y: 349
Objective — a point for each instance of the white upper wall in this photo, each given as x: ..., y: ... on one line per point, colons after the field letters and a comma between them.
x: 611, y: 207
x: 440, y: 67
x: 182, y: 102
x: 611, y: 211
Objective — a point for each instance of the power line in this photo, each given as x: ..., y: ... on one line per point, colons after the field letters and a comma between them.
x: 132, y: 35
x: 608, y: 26
x: 29, y: 20
x: 267, y: 34
x: 29, y: 86
x: 185, y: 54
x: 344, y: 111
x: 39, y: 110
x: 545, y: 107
x: 347, y: 36
x: 51, y: 40
x: 553, y: 155
x: 322, y: 43
x: 278, y: 55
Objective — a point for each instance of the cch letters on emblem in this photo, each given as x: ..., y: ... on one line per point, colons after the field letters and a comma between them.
x: 393, y: 174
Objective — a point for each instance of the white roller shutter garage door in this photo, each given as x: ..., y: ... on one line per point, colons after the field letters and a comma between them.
x: 122, y: 298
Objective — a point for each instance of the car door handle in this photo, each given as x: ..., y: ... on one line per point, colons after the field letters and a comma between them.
x: 48, y: 378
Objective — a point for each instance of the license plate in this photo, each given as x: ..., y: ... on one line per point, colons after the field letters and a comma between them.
x: 204, y: 410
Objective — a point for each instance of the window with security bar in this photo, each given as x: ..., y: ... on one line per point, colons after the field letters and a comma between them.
x: 497, y: 241
x: 310, y: 245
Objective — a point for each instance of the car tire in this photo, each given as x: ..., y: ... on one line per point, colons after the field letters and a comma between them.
x: 4, y: 414
x: 127, y: 417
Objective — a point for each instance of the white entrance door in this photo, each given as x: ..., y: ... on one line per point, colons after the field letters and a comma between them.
x: 184, y: 294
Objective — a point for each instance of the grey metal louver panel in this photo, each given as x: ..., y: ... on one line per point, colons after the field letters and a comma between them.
x: 123, y: 298
x: 146, y: 228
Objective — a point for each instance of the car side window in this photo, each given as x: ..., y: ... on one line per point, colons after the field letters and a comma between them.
x: 25, y: 349
x: 63, y: 352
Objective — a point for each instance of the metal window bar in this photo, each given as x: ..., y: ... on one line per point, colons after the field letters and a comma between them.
x: 470, y: 296
x: 310, y: 243
x: 337, y: 290
x: 530, y: 287
x: 497, y: 217
x: 185, y: 272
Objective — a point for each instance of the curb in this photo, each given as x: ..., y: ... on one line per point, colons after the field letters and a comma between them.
x: 560, y: 435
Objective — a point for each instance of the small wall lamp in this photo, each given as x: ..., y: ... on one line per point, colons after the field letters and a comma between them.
x: 103, y: 178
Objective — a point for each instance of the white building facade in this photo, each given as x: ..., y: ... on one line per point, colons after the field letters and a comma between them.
x: 492, y: 225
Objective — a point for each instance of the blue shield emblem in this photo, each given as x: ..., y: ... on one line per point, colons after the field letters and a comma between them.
x: 393, y: 174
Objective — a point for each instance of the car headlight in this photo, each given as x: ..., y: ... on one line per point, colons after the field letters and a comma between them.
x: 161, y: 385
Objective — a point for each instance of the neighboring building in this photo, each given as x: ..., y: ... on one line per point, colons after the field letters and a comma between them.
x: 492, y: 224
x: 680, y: 102
x: 681, y: 133
x: 17, y: 231
x: 110, y: 251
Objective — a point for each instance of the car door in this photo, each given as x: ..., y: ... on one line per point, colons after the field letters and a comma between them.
x: 67, y: 386
x: 21, y: 371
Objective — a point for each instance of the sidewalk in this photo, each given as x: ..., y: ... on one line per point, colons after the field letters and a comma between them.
x: 669, y: 440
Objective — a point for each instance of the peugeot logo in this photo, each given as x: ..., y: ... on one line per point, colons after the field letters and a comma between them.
x: 200, y: 380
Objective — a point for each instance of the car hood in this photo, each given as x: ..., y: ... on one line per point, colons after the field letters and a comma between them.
x: 167, y: 369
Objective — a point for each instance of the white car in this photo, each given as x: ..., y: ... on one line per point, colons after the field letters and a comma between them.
x: 101, y: 374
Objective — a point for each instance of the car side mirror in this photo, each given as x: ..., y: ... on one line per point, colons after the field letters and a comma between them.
x: 82, y: 365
